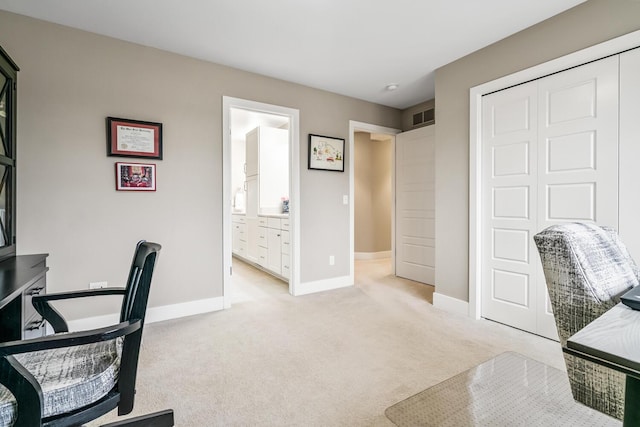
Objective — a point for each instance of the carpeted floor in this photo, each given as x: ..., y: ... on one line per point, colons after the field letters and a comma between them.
x: 337, y: 358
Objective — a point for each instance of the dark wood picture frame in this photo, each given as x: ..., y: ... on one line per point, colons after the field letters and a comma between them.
x: 134, y: 138
x: 135, y: 176
x: 326, y: 153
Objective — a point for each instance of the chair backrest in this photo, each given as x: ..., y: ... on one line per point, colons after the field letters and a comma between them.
x: 587, y: 268
x: 134, y: 307
x: 134, y: 303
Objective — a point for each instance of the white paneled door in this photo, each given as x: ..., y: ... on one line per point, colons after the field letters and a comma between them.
x: 415, y: 205
x: 550, y: 155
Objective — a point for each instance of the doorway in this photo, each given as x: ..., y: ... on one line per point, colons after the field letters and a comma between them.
x: 245, y: 115
x: 372, y: 197
x: 379, y: 132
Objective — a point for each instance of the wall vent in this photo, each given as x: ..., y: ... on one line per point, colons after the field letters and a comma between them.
x: 424, y: 118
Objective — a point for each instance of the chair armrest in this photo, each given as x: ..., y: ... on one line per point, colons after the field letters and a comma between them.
x: 22, y: 384
x: 71, y: 339
x: 80, y: 294
x: 53, y: 316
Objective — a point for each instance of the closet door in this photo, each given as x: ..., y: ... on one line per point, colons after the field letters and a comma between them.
x: 577, y: 155
x: 550, y: 155
x: 509, y: 123
x: 630, y: 151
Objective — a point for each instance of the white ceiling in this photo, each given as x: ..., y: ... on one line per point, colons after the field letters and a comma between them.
x: 351, y: 47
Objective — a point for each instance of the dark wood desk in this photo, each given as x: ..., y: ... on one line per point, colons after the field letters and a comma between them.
x: 21, y: 278
x: 613, y: 340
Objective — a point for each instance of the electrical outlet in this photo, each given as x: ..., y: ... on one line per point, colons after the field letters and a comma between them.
x: 97, y: 285
x: 332, y: 260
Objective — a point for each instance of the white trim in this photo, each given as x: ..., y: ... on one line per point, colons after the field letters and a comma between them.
x: 611, y: 47
x: 324, y: 285
x: 354, y: 127
x: 452, y: 305
x: 154, y: 314
x: 294, y: 187
x: 372, y: 255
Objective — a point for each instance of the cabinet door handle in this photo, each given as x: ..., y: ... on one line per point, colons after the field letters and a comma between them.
x: 36, y: 291
x: 245, y: 186
x: 35, y: 325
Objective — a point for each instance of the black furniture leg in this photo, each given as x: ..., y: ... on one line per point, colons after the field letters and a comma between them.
x: 631, y: 399
x: 156, y: 419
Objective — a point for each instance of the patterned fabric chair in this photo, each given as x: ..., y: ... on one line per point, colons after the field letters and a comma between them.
x: 587, y: 268
x: 67, y: 379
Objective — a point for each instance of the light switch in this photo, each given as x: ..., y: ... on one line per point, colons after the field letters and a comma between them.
x: 345, y: 199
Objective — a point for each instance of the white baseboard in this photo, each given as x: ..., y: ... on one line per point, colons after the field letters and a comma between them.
x: 372, y: 255
x: 450, y: 304
x: 154, y: 314
x: 323, y: 285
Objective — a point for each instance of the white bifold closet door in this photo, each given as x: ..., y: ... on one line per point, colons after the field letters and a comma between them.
x: 549, y: 155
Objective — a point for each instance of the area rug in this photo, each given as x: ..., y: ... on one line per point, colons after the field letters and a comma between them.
x: 509, y: 390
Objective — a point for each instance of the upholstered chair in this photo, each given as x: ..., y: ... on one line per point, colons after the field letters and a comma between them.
x: 587, y: 268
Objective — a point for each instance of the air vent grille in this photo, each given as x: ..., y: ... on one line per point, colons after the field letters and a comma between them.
x: 424, y: 118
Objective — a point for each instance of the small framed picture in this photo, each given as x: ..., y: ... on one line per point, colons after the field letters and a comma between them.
x: 326, y: 153
x: 134, y: 138
x: 135, y: 177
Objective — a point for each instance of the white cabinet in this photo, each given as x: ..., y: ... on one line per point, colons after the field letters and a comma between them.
x: 239, y: 235
x: 252, y: 196
x: 264, y: 241
x: 252, y: 239
x: 267, y: 159
x: 274, y: 254
x: 285, y: 244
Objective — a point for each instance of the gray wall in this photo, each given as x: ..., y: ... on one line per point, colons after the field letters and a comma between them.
x: 372, y: 182
x: 585, y: 25
x: 71, y: 80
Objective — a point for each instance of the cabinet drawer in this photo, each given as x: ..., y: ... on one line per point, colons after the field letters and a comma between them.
x: 262, y: 237
x: 34, y: 327
x: 242, y: 249
x: 241, y: 219
x: 286, y: 243
x: 37, y: 288
x: 286, y: 269
x: 242, y: 232
x: 262, y: 257
x: 274, y: 223
x: 284, y: 223
x: 263, y: 221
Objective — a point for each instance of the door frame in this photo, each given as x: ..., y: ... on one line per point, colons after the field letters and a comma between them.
x: 593, y: 53
x: 294, y: 187
x: 355, y: 126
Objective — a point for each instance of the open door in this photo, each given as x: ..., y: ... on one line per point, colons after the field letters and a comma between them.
x: 415, y: 205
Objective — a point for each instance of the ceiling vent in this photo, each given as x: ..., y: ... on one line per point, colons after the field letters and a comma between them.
x: 424, y: 118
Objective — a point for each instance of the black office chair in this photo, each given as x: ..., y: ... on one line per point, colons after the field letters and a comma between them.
x: 67, y: 379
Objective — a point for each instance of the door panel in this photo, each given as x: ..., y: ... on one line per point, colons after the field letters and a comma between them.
x: 415, y: 205
x: 578, y: 155
x: 509, y: 188
x: 550, y: 153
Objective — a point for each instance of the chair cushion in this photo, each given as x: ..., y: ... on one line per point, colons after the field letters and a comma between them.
x: 70, y: 377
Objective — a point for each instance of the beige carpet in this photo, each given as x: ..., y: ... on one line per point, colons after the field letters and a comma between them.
x: 507, y: 390
x: 337, y: 358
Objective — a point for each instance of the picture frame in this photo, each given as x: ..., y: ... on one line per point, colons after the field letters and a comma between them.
x: 135, y: 176
x: 134, y: 138
x: 326, y: 153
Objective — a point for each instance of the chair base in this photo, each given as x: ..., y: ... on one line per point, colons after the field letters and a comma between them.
x: 156, y: 419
